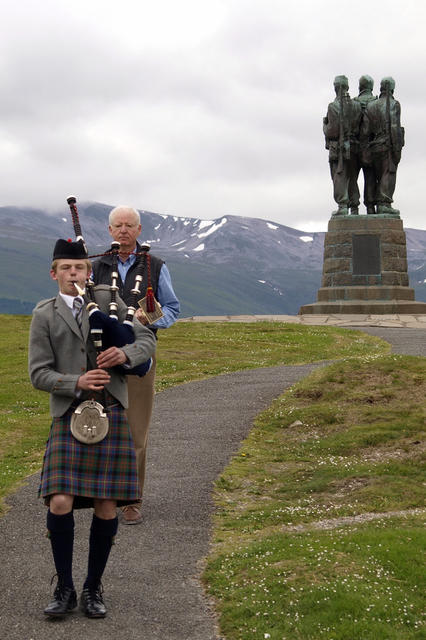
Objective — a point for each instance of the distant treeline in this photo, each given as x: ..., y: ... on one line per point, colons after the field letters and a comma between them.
x: 16, y: 307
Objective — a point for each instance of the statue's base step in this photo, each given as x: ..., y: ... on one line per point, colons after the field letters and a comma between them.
x: 371, y: 294
x: 378, y: 307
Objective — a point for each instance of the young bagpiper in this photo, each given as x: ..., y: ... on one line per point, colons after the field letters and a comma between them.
x: 92, y: 470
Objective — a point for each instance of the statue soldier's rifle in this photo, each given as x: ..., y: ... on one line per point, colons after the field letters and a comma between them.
x: 344, y: 142
x: 391, y: 150
x: 341, y: 131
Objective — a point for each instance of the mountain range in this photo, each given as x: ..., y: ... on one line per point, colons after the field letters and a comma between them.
x: 229, y: 265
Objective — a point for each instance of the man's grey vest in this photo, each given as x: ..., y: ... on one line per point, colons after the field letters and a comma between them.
x: 102, y: 275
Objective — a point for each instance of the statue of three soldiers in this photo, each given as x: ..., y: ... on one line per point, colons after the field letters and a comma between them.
x: 364, y: 133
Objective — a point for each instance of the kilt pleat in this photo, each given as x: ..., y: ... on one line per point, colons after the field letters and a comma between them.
x: 105, y: 470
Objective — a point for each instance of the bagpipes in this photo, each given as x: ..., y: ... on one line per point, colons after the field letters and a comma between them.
x: 106, y: 330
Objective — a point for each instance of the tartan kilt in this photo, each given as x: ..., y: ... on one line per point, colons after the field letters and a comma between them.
x: 105, y: 470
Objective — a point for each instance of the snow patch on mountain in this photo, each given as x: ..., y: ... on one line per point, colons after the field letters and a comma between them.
x: 205, y: 223
x: 214, y: 228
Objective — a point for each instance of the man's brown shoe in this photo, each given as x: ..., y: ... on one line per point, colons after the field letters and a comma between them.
x: 132, y: 514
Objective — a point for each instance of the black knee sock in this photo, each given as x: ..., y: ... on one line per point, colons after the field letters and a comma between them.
x: 101, y: 539
x: 61, y: 530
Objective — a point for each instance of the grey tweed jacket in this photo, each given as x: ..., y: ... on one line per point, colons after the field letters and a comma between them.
x: 59, y: 353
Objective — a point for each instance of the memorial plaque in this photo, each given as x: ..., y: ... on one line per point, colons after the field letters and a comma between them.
x: 366, y: 254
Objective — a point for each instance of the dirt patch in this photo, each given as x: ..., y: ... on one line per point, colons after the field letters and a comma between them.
x: 343, y: 487
x: 334, y: 523
x: 410, y: 449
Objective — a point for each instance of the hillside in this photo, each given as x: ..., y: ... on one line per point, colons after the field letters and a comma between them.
x: 230, y: 265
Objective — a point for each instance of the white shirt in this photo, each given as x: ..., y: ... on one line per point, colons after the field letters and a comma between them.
x: 69, y: 301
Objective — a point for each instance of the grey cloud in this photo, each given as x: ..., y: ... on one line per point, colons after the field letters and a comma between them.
x: 232, y: 123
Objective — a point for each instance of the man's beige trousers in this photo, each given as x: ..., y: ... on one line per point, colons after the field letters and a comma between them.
x: 141, y: 400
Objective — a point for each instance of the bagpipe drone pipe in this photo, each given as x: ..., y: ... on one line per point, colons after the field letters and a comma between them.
x: 106, y: 330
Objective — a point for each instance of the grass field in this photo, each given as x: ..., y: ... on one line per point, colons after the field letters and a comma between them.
x: 318, y: 528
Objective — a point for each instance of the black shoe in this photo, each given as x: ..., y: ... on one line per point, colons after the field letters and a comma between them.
x: 92, y: 604
x: 64, y: 601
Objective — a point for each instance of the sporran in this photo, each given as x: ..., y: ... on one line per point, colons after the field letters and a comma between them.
x: 89, y: 422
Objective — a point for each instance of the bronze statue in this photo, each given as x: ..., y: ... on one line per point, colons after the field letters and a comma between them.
x: 341, y: 126
x: 382, y: 128
x: 364, y: 159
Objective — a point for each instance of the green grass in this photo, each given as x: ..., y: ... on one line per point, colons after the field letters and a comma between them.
x: 191, y: 351
x: 302, y: 545
x: 186, y: 351
x: 24, y: 414
x: 359, y: 582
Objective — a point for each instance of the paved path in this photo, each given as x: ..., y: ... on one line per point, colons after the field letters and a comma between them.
x: 410, y: 342
x: 151, y: 582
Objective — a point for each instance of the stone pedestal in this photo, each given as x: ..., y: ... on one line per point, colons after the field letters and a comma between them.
x: 365, y: 268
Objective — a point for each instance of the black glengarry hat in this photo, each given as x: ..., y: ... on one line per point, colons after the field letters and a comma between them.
x: 69, y: 250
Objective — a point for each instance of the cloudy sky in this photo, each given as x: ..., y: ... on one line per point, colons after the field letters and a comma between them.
x: 197, y: 108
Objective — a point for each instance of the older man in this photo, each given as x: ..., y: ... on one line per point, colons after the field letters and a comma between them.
x: 125, y: 227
